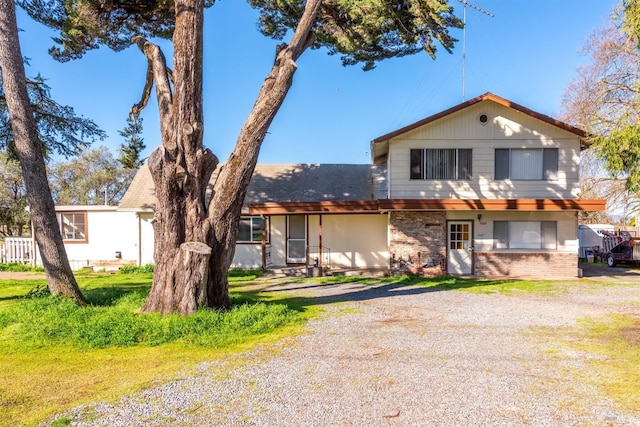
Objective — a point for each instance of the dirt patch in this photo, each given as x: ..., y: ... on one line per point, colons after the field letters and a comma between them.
x: 21, y: 275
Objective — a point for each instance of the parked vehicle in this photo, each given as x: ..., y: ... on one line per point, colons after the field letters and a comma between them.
x: 619, y: 248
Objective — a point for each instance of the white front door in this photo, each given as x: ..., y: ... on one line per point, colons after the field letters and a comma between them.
x: 460, y: 248
x: 296, y: 239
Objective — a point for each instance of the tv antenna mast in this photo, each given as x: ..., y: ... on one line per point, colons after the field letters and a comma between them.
x: 465, y: 3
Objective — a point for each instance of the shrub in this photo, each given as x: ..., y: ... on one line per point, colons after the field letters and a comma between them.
x: 19, y: 267
x: 136, y: 269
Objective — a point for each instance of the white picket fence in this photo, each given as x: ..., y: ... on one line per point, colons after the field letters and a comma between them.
x: 17, y: 249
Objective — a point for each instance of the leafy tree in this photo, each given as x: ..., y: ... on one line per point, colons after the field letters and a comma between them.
x: 134, y: 144
x: 94, y: 177
x: 604, y: 99
x: 60, y: 130
x: 195, y: 238
x: 28, y: 148
x: 14, y: 217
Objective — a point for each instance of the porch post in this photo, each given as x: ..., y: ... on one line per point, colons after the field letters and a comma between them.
x: 263, y: 243
x: 320, y: 240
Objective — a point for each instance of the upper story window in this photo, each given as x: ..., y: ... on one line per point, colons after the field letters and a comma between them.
x: 250, y: 229
x: 526, y: 164
x: 73, y: 226
x: 441, y: 163
x: 525, y: 235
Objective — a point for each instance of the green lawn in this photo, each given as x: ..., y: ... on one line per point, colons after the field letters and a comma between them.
x: 56, y: 355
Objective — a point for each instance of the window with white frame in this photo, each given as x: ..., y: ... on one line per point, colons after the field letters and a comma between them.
x: 73, y: 226
x: 441, y: 163
x: 526, y: 164
x: 525, y: 235
x: 250, y: 229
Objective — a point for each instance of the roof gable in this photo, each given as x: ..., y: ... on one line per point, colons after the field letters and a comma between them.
x: 379, y: 146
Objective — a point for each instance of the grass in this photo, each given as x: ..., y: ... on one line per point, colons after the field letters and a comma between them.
x: 56, y: 354
x: 610, y: 347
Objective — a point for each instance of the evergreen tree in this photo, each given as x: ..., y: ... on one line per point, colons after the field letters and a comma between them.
x: 195, y: 236
x: 133, y: 146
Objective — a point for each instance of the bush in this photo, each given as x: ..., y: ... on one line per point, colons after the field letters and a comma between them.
x: 19, y: 267
x: 136, y: 269
x: 239, y: 274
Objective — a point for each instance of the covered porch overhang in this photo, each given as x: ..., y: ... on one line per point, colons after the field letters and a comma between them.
x: 385, y: 205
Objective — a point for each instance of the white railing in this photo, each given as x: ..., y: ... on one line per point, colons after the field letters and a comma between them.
x: 16, y: 249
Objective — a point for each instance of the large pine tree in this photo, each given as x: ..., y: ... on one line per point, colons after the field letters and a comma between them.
x: 29, y: 150
x: 195, y: 240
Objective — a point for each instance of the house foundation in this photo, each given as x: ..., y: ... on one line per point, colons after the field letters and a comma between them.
x: 526, y: 264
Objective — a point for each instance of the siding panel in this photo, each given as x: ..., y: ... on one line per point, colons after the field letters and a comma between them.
x: 506, y: 129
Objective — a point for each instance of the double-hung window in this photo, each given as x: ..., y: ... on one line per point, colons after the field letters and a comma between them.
x: 250, y: 229
x: 525, y: 235
x: 526, y: 164
x: 73, y: 226
x: 441, y: 163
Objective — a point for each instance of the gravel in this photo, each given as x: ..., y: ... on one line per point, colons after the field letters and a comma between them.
x: 395, y: 356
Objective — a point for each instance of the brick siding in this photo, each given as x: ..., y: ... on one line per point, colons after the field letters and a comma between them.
x: 529, y: 264
x: 416, y: 236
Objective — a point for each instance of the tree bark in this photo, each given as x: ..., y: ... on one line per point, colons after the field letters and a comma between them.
x: 181, y: 168
x: 232, y: 183
x: 60, y: 278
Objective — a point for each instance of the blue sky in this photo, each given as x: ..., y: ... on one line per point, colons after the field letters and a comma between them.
x: 528, y: 53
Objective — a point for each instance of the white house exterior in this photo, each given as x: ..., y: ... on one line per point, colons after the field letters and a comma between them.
x: 486, y: 188
x: 98, y: 236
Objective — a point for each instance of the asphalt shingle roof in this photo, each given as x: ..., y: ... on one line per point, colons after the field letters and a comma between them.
x: 286, y: 183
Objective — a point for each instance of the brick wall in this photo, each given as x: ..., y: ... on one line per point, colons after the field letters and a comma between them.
x: 529, y: 264
x: 411, y: 233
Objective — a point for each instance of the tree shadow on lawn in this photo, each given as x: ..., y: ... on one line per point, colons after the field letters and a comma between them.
x: 105, y: 296
x: 355, y: 289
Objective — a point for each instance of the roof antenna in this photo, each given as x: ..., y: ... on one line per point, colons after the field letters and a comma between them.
x: 464, y: 35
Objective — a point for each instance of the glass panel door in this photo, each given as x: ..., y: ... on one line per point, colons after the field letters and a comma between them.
x: 459, y: 247
x: 296, y: 239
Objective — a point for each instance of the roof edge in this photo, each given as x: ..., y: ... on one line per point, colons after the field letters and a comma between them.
x: 485, y: 97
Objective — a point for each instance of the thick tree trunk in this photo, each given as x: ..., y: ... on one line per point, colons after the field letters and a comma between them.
x: 181, y: 169
x: 231, y: 186
x: 46, y: 229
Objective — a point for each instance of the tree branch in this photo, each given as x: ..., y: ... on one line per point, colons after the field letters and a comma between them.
x: 161, y: 75
x: 146, y: 93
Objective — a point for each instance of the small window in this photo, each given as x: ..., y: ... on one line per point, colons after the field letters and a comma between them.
x: 73, y: 226
x: 525, y: 235
x: 526, y: 164
x: 250, y: 229
x: 441, y: 164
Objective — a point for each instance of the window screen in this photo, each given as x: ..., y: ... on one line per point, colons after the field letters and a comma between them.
x: 525, y: 235
x: 526, y: 164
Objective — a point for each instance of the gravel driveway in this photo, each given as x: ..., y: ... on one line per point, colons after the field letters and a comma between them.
x: 396, y: 356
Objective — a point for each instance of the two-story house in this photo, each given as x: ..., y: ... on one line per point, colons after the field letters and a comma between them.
x: 487, y: 188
